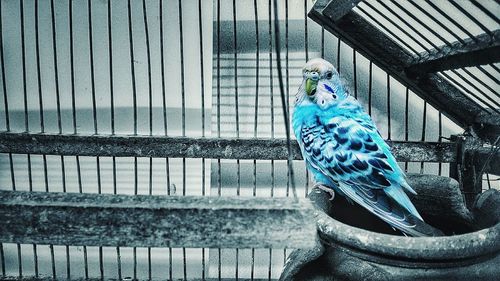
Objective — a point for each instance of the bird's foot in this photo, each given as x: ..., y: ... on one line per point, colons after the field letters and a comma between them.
x: 327, y: 189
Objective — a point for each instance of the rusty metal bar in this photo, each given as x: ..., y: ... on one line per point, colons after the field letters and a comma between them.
x: 378, y: 47
x: 155, y: 221
x: 483, y: 49
x: 179, y: 147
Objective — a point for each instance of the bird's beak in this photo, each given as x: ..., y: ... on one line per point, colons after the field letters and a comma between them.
x: 311, y: 86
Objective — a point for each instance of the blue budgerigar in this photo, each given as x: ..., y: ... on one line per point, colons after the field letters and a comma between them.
x: 345, y: 152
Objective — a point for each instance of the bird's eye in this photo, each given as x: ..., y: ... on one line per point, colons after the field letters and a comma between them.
x: 329, y: 75
x: 314, y: 75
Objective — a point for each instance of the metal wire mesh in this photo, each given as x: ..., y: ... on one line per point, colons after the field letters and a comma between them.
x: 180, y: 68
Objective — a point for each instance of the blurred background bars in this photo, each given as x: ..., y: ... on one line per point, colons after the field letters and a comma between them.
x: 200, y: 68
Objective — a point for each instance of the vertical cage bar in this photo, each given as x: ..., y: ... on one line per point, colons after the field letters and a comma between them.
x: 183, y: 94
x: 2, y: 257
x: 354, y: 72
x: 68, y: 263
x: 440, y: 138
x: 424, y: 127
x: 270, y: 265
x: 4, y: 82
x: 23, y: 56
x: 162, y: 69
x: 92, y: 72
x: 72, y: 66
x: 53, y: 261
x: 38, y: 72
x: 388, y: 106
x: 35, y: 259
x: 132, y: 65
x: 149, y: 264
x: 370, y: 87
x: 407, y: 129
x: 306, y: 35
x: 170, y: 263
x: 119, y: 263
x: 339, y: 42
x: 111, y: 78
x: 19, y: 261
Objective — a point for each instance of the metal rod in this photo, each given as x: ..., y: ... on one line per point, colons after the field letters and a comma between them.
x: 424, y: 127
x: 92, y: 72
x: 119, y: 263
x: 4, y: 85
x: 257, y: 67
x: 388, y: 96
x: 2, y: 257
x: 72, y: 67
x: 202, y: 74
x: 38, y: 72
x: 149, y: 264
x: 354, y: 70
x: 183, y: 93
x: 270, y: 265
x: 134, y: 262
x: 306, y: 36
x: 35, y: 260
x: 132, y: 64
x: 162, y: 61
x: 218, y: 71
x: 23, y: 56
x: 68, y: 263
x: 19, y: 260
x: 53, y: 261
x: 110, y: 54
x: 56, y: 72
x: 407, y: 128
x: 148, y: 54
x: 370, y: 87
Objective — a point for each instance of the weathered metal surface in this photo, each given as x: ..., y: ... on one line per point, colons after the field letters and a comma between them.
x: 378, y: 47
x: 483, y: 49
x: 155, y: 221
x: 338, y: 8
x: 351, y: 253
x: 157, y: 146
x: 41, y: 278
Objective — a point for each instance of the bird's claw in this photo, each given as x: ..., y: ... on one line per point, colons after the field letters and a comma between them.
x: 327, y: 189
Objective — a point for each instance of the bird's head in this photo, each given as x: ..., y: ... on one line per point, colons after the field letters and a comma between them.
x: 321, y: 84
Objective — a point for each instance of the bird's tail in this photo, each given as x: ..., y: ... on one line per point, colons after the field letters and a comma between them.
x: 380, y: 204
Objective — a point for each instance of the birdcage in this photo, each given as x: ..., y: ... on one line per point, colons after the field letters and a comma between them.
x: 149, y: 139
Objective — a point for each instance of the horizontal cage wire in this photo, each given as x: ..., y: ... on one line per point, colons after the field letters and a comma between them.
x: 197, y: 69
